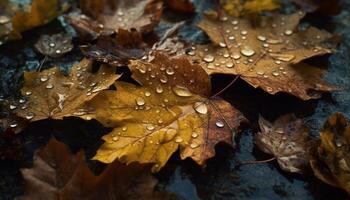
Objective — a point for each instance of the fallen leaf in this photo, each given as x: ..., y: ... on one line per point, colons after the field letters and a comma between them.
x: 142, y: 15
x: 185, y: 6
x: 58, y: 174
x: 237, y: 8
x: 287, y: 140
x: 128, y: 45
x: 326, y: 7
x: 54, y: 46
x: 170, y: 111
x: 332, y: 159
x: 40, y: 12
x: 266, y: 55
x: 7, y: 10
x: 51, y: 94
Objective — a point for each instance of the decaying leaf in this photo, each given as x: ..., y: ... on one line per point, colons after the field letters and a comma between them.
x: 170, y: 111
x: 58, y: 174
x: 185, y: 6
x: 287, y: 140
x: 141, y: 15
x: 326, y: 7
x: 6, y: 11
x: 237, y: 8
x: 55, y: 45
x: 51, y: 94
x: 267, y: 55
x: 128, y: 45
x: 332, y: 157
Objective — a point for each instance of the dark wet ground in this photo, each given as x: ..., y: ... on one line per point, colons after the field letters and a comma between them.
x: 221, y: 178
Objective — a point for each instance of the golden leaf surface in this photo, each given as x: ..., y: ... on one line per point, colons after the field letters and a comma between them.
x: 266, y: 55
x: 51, y: 94
x: 332, y: 157
x: 59, y: 174
x: 170, y: 111
x: 237, y: 8
x: 142, y: 15
x: 287, y: 140
x: 41, y: 12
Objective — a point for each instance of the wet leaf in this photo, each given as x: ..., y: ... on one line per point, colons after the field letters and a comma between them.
x: 332, y: 159
x: 51, y: 94
x: 128, y: 45
x: 185, y: 6
x: 59, y: 174
x: 170, y: 111
x: 40, y: 12
x: 237, y: 8
x: 326, y: 7
x: 287, y: 140
x: 55, y: 45
x: 7, y: 10
x: 142, y: 15
x: 267, y: 55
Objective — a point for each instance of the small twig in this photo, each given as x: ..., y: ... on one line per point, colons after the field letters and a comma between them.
x: 226, y: 87
x: 42, y: 63
x: 253, y: 162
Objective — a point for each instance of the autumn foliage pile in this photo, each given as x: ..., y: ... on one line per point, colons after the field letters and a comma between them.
x: 168, y: 106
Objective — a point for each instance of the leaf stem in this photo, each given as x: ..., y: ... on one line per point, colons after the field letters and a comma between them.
x: 253, y: 162
x: 226, y: 87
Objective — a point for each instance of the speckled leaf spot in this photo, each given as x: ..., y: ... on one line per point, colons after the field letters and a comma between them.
x: 168, y: 112
x: 51, y: 94
x: 266, y: 55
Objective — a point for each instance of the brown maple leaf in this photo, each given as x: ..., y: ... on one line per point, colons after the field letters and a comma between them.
x: 51, y: 94
x: 331, y: 160
x: 170, y: 111
x: 58, y: 174
x: 142, y: 15
x: 287, y: 140
x: 267, y: 54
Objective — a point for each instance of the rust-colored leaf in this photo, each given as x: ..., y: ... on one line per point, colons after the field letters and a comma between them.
x: 332, y: 159
x: 170, y: 111
x: 238, y: 8
x: 266, y: 55
x: 287, y: 140
x: 59, y: 174
x: 51, y: 94
x: 141, y: 15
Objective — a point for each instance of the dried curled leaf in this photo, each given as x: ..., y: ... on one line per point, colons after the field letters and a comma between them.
x: 51, y: 94
x: 287, y: 140
x: 58, y: 174
x: 142, y: 15
x: 332, y: 159
x: 237, y: 8
x: 54, y: 46
x: 267, y: 55
x: 165, y: 114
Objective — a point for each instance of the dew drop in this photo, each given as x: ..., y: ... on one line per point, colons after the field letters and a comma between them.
x: 219, y: 124
x: 58, y: 51
x: 13, y: 124
x: 28, y: 93
x: 191, y: 53
x: 181, y: 91
x: 236, y: 56
x: 44, y: 78
x: 194, y: 135
x: 4, y: 19
x: 147, y: 94
x: 164, y: 79
x: 159, y: 89
x: 22, y: 101
x: 260, y: 73
x: 261, y: 38
x: 200, y: 107
x: 244, y: 32
x: 229, y: 64
x: 288, y: 32
x: 178, y: 140
x: 222, y: 44
x: 194, y: 145
x: 231, y: 37
x: 247, y: 51
x: 52, y: 44
x: 170, y: 71
x: 49, y: 86
x: 275, y: 73
x: 125, y: 128
x: 115, y: 138
x: 209, y: 58
x: 140, y: 101
x: 30, y: 116
x: 150, y: 127
x: 12, y: 107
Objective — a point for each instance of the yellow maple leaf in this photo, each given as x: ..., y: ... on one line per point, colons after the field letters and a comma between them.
x: 237, y: 8
x: 51, y: 94
x: 168, y: 112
